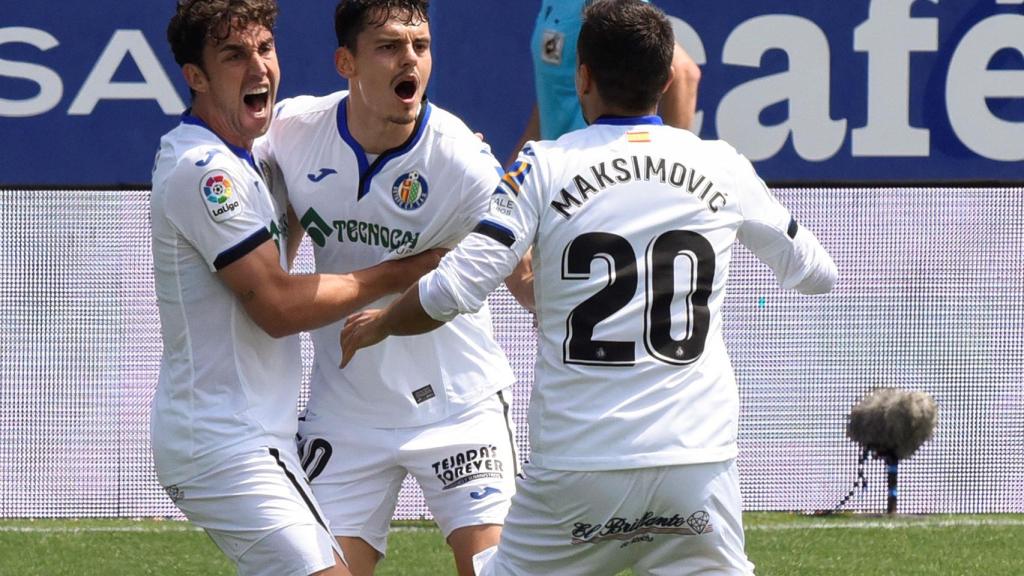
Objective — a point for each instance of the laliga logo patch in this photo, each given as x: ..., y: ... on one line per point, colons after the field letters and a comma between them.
x: 217, y: 188
x: 410, y: 191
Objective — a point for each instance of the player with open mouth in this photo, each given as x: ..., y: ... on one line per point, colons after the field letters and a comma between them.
x: 373, y: 172
x: 223, y: 418
x: 257, y: 100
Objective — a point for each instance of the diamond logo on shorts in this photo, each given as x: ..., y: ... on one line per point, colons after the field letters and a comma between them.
x: 643, y: 528
x: 698, y: 521
x: 174, y: 493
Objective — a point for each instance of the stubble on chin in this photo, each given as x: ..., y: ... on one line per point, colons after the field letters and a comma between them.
x: 402, y: 120
x: 406, y: 117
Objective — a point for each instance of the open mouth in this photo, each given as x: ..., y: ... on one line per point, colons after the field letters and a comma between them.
x: 406, y: 89
x: 256, y: 100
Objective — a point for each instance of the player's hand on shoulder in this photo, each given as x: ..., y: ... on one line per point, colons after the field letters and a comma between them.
x: 361, y: 329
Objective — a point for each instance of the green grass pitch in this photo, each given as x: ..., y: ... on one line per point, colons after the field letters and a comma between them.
x: 778, y: 543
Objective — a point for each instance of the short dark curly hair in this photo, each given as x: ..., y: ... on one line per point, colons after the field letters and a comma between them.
x: 197, y: 21
x: 628, y: 46
x: 351, y: 17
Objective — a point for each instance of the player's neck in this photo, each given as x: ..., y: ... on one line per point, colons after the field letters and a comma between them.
x: 204, y: 111
x: 376, y: 134
x: 599, y: 109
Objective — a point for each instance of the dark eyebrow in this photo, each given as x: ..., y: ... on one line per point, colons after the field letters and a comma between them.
x: 231, y: 48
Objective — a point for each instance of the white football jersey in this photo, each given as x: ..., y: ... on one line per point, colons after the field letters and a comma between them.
x: 633, y: 225
x: 429, y: 192
x: 224, y: 383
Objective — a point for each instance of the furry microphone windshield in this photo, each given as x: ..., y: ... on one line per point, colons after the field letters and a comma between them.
x: 892, y: 422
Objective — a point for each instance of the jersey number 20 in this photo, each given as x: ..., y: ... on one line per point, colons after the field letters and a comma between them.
x: 661, y: 257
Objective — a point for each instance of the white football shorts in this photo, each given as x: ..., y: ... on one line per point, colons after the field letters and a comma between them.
x: 465, y: 464
x: 671, y: 521
x: 259, y: 510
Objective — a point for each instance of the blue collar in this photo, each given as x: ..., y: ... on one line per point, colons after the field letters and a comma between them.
x: 368, y: 170
x: 246, y: 155
x: 629, y: 120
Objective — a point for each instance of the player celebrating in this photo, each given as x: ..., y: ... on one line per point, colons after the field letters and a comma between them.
x: 633, y: 416
x: 223, y: 416
x: 374, y: 172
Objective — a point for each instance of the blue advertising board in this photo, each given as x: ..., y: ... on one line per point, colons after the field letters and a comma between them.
x: 851, y: 91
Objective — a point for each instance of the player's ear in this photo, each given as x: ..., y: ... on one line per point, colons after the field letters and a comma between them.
x: 345, y: 62
x: 584, y: 81
x: 195, y: 78
x: 671, y: 77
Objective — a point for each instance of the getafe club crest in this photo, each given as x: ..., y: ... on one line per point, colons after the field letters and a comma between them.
x: 410, y: 191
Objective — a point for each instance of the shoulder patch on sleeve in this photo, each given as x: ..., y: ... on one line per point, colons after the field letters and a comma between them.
x: 502, y: 203
x: 516, y: 176
x: 218, y: 190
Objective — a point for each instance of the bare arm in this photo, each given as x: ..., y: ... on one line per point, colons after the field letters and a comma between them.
x: 679, y: 103
x: 460, y: 285
x: 283, y: 304
x: 403, y: 317
x: 520, y: 282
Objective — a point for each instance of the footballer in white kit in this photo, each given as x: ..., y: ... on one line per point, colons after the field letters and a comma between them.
x: 437, y: 405
x: 223, y: 414
x: 634, y: 408
x: 632, y: 224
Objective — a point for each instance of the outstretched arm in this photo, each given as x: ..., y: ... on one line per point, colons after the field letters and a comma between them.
x: 496, y: 250
x: 404, y: 317
x: 282, y: 303
x: 460, y: 284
